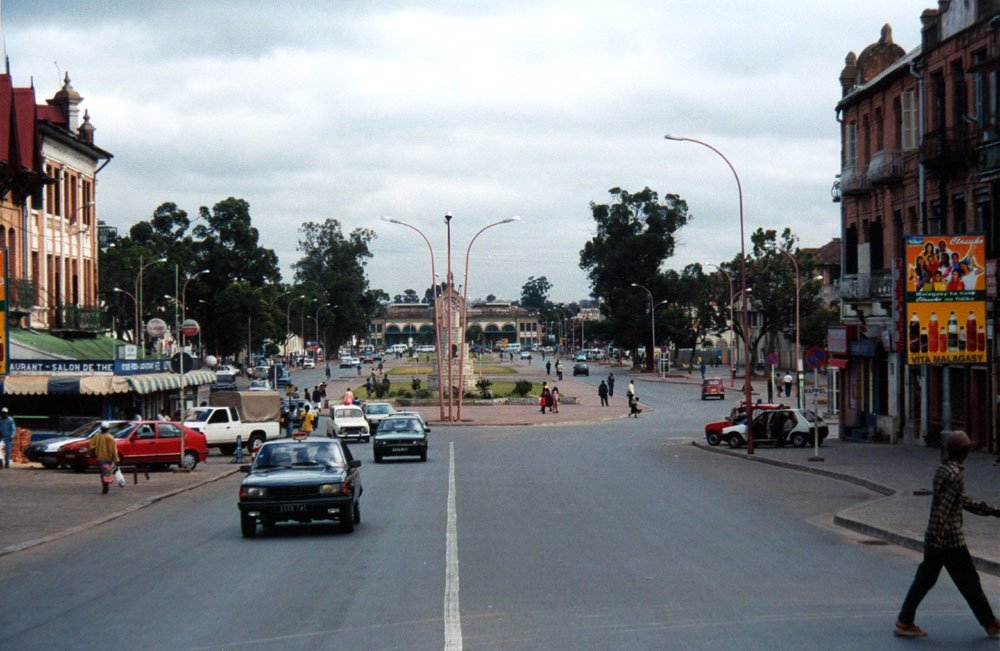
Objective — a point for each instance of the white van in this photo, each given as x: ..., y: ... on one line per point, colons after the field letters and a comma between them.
x: 512, y: 348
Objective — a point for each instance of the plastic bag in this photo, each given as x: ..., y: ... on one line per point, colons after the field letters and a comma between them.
x: 119, y: 477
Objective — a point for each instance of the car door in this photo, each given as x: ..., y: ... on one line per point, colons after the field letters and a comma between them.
x: 140, y: 446
x: 168, y: 443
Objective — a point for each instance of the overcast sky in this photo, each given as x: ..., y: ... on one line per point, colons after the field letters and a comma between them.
x: 358, y: 109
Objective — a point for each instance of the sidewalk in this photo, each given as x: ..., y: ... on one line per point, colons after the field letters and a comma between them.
x: 41, y: 505
x: 895, y: 471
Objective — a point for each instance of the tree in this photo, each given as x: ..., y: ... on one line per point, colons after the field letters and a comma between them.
x: 410, y: 296
x: 490, y: 298
x: 332, y: 272
x: 635, y: 235
x: 535, y: 294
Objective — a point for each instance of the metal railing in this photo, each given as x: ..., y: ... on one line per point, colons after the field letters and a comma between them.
x: 854, y: 180
x: 875, y: 285
x: 887, y: 166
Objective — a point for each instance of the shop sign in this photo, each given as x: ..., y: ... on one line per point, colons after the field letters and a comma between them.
x: 76, y: 367
x: 946, y: 299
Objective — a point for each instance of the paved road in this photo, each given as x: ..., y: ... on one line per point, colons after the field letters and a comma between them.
x: 606, y: 536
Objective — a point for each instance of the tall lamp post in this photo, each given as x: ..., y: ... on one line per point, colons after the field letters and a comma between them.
x: 652, y: 321
x: 732, y: 363
x: 316, y: 319
x: 799, y: 379
x: 465, y: 309
x: 747, y: 389
x: 437, y: 317
x: 138, y: 293
x: 288, y: 322
x: 135, y: 306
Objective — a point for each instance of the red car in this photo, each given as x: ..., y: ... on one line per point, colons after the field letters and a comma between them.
x: 713, y: 431
x: 143, y: 443
x: 712, y: 387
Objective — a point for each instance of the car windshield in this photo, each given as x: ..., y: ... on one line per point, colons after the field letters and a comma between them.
x: 300, y: 454
x: 347, y: 413
x: 400, y: 425
x: 225, y: 378
x: 85, y: 429
x: 378, y: 409
x: 122, y: 430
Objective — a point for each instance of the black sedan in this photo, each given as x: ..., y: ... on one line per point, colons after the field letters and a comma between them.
x: 400, y: 435
x: 581, y: 368
x: 300, y: 480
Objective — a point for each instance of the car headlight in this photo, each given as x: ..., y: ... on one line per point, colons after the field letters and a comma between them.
x: 254, y: 491
x: 330, y: 489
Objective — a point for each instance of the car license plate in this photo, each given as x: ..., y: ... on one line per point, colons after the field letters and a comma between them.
x: 398, y: 450
x: 294, y: 508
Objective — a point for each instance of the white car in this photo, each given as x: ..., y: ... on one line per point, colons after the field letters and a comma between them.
x: 308, y: 363
x: 426, y: 348
x: 347, y: 422
x: 779, y: 426
x: 260, y: 385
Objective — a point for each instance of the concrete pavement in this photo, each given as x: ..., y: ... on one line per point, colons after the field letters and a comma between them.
x: 41, y: 505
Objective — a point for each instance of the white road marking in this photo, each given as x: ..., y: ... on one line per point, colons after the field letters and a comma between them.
x: 452, y: 613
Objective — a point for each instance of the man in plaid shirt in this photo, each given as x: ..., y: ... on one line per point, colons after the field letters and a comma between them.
x: 944, y: 543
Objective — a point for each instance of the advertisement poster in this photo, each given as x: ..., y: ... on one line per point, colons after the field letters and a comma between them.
x: 946, y: 299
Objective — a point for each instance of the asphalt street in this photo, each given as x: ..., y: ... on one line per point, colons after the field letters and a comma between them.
x: 616, y: 535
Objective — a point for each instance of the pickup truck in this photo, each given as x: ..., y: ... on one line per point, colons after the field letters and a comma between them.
x: 250, y: 416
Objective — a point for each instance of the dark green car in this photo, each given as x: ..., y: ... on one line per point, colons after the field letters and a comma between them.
x: 400, y: 435
x: 300, y: 480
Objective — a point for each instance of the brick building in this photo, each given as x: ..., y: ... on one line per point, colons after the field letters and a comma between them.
x: 920, y: 136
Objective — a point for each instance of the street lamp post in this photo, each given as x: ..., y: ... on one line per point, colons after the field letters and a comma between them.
x: 288, y: 322
x: 138, y: 293
x: 747, y: 389
x: 732, y: 363
x: 465, y: 308
x: 437, y: 319
x: 652, y: 321
x: 316, y: 319
x: 135, y: 306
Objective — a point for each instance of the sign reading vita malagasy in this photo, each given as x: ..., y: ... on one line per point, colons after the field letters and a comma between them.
x: 946, y: 299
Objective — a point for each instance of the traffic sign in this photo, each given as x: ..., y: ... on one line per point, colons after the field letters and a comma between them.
x: 771, y: 359
x: 815, y: 356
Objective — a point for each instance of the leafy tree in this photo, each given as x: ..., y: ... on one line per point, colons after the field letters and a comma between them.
x: 332, y: 271
x: 490, y: 298
x: 635, y: 235
x: 535, y: 294
x: 815, y: 324
x: 410, y: 296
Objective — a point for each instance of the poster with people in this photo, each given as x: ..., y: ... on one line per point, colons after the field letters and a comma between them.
x: 946, y: 299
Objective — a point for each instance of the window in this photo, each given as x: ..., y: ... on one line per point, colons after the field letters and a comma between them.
x: 980, y: 105
x: 959, y: 225
x: 169, y: 431
x: 935, y: 221
x: 908, y: 101
x: 879, y: 131
x: 960, y: 96
x: 850, y: 145
x: 937, y: 101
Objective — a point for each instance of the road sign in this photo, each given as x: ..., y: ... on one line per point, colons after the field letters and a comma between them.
x: 771, y: 359
x: 178, y: 359
x: 156, y: 328
x: 815, y: 356
x: 190, y: 328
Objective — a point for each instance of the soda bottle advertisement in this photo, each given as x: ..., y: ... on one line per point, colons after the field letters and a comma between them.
x: 945, y: 299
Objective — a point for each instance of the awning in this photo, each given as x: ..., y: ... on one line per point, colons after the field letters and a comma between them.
x: 64, y: 385
x: 152, y: 382
x: 194, y: 378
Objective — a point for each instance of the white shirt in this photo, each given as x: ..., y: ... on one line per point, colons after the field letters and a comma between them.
x: 969, y: 280
x: 788, y: 378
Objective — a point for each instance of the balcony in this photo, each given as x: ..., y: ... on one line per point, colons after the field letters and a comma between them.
x: 864, y: 287
x: 854, y: 181
x: 949, y: 150
x: 886, y: 167
x: 20, y: 297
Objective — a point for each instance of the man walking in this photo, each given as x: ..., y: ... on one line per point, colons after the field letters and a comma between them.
x: 559, y: 369
x: 308, y: 418
x: 7, y: 429
x: 788, y: 384
x: 611, y: 385
x: 106, y: 454
x: 602, y: 391
x: 944, y: 543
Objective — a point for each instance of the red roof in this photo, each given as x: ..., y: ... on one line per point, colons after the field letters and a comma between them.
x: 20, y: 149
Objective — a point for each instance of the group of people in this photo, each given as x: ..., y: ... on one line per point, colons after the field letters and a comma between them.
x: 558, y: 367
x: 938, y: 269
x: 549, y: 398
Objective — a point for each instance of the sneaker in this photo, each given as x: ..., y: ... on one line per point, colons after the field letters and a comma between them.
x: 908, y: 630
x: 993, y: 630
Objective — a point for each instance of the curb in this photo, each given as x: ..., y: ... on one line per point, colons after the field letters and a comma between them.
x: 112, y: 516
x: 842, y: 519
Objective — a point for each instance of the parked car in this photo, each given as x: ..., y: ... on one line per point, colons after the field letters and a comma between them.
x: 400, y: 435
x: 46, y: 451
x: 713, y: 387
x: 308, y: 362
x: 375, y: 412
x: 347, y: 422
x: 581, y: 368
x: 778, y: 427
x: 260, y: 385
x: 300, y: 480
x: 144, y: 443
x: 346, y: 362
x: 737, y: 416
x: 425, y: 348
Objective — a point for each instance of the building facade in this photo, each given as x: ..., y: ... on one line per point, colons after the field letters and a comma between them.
x: 413, y: 323
x: 920, y: 145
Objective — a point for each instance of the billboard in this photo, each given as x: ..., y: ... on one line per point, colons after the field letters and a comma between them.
x: 945, y: 299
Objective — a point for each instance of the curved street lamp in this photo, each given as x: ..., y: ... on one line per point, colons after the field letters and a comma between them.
x: 465, y: 310
x: 747, y: 389
x: 288, y: 322
x: 138, y: 293
x: 652, y: 320
x: 434, y: 304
